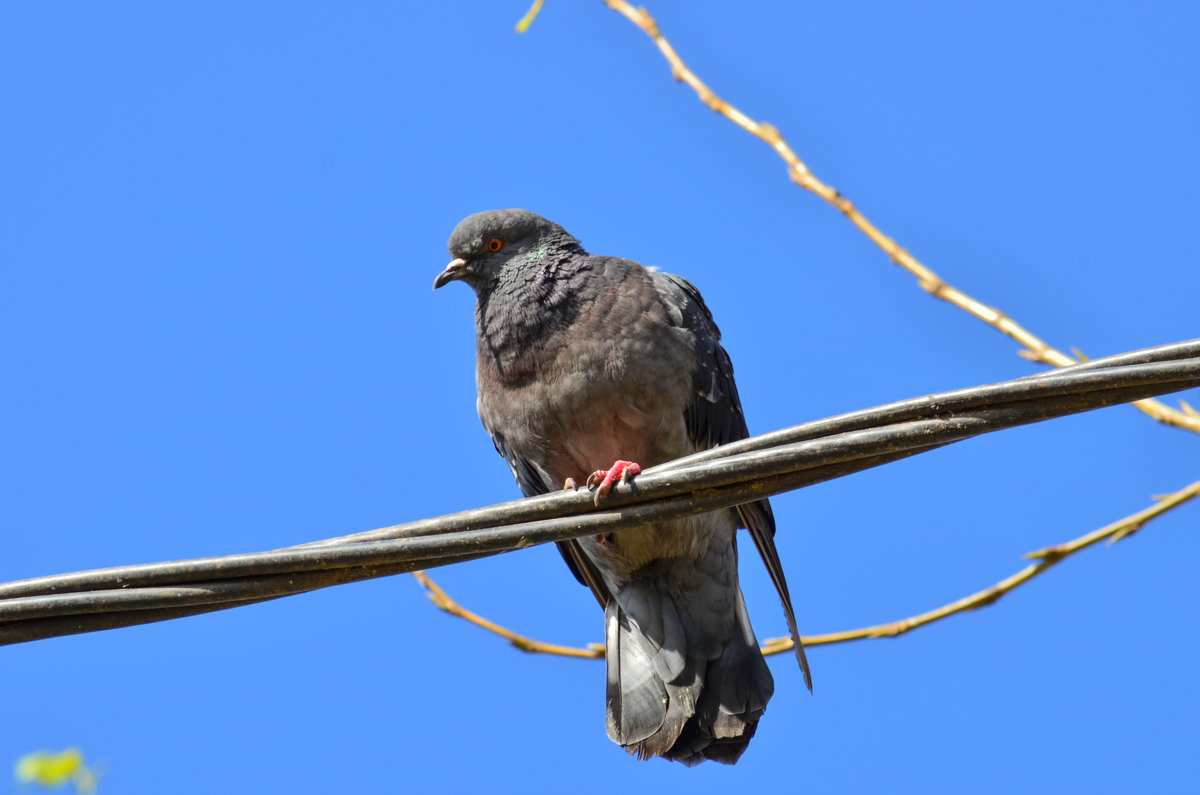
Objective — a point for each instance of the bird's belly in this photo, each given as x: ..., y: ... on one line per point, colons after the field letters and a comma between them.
x: 584, y: 423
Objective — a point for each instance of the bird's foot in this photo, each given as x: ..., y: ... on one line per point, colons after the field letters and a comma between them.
x: 620, y: 470
x: 569, y: 484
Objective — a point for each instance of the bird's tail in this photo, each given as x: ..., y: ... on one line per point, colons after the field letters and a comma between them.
x: 686, y: 679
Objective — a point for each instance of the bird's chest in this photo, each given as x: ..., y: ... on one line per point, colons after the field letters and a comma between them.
x: 615, y: 386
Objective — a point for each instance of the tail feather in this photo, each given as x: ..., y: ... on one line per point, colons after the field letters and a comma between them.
x: 674, y: 690
x: 637, y: 695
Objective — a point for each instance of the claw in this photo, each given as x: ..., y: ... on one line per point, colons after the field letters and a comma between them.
x: 569, y: 484
x: 622, y: 470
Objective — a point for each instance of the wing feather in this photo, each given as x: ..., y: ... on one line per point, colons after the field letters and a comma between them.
x: 533, y: 481
x: 715, y: 417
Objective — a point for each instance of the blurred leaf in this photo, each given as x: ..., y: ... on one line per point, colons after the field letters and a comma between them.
x: 53, y: 769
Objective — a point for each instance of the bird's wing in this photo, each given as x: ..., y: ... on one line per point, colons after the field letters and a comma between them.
x: 715, y: 417
x: 534, y: 481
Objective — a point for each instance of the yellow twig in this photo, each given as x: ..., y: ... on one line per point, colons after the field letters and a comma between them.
x: 527, y: 20
x: 1034, y: 348
x: 444, y: 602
x: 1046, y: 558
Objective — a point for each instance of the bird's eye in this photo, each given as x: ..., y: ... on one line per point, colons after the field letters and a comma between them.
x: 494, y: 244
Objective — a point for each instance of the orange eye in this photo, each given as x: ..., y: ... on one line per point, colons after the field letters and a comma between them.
x: 494, y: 244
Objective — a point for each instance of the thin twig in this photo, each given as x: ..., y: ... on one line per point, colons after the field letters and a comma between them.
x: 444, y: 602
x: 1035, y: 349
x: 1046, y: 558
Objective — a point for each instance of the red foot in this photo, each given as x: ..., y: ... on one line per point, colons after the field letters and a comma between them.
x: 623, y: 470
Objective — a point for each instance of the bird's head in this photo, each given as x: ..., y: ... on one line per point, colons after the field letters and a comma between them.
x: 486, y: 245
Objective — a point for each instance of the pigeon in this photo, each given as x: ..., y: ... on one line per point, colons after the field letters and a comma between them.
x: 588, y: 368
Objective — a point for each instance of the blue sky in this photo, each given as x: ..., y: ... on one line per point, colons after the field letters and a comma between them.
x: 219, y: 224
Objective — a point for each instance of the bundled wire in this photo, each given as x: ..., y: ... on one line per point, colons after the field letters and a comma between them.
x: 747, y: 470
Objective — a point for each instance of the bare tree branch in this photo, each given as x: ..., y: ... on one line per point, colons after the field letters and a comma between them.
x: 1035, y: 349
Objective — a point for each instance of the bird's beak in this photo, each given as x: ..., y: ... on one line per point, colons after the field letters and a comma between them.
x: 453, y: 271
